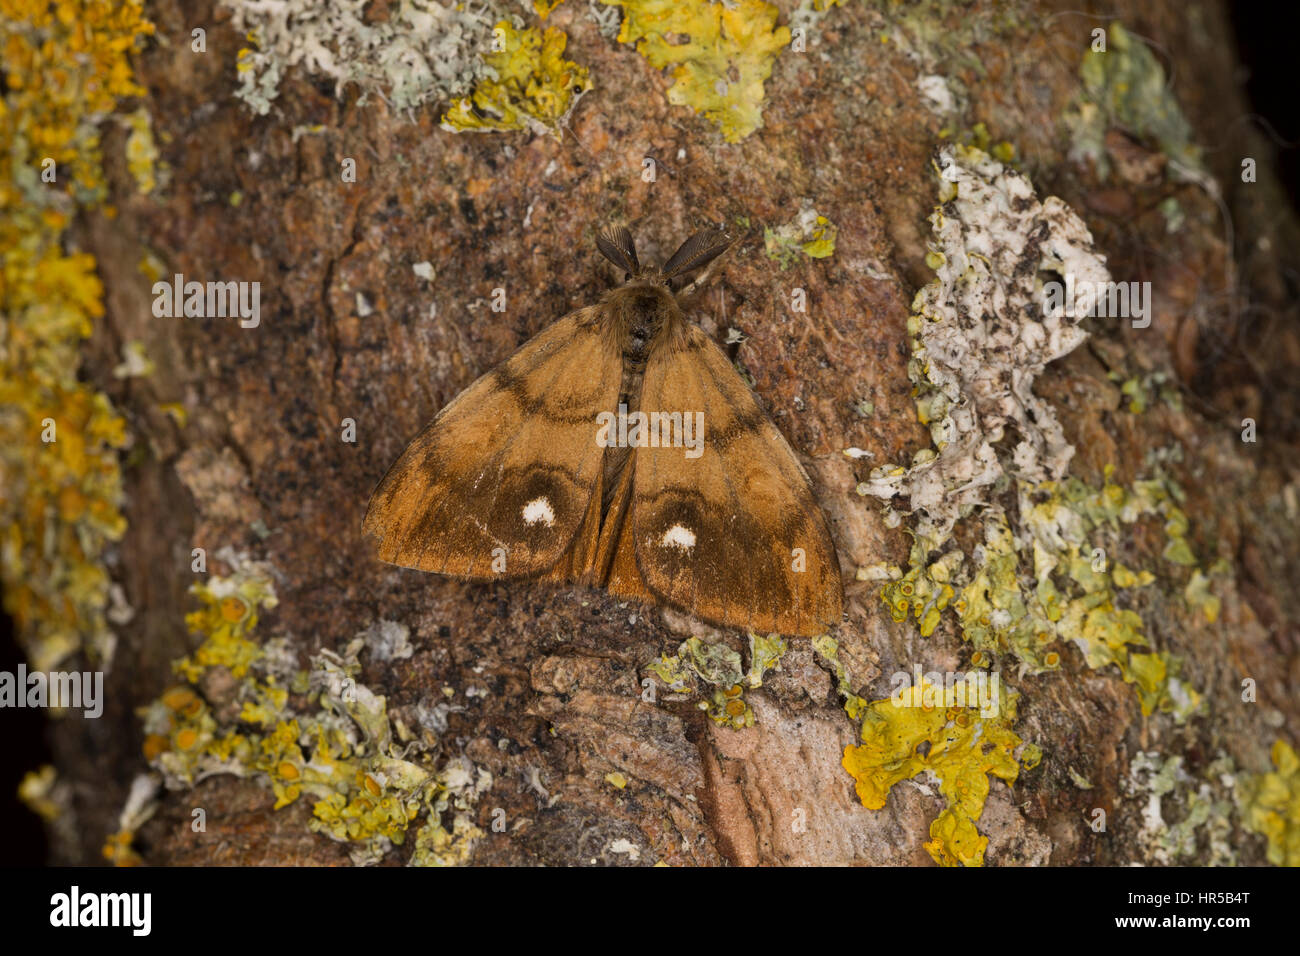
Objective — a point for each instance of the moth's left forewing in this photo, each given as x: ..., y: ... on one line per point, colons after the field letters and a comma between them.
x: 734, y: 536
x: 499, y: 485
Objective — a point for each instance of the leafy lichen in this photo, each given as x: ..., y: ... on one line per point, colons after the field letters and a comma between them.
x: 529, y: 85
x: 958, y: 746
x: 722, y: 671
x: 1125, y: 87
x: 828, y: 649
x: 1271, y: 805
x: 421, y: 52
x: 720, y: 54
x: 980, y: 336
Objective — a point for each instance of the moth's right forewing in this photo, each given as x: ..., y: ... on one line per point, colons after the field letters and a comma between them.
x: 499, y: 483
x: 733, y: 536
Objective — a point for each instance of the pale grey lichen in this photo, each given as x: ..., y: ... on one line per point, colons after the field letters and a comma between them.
x: 1204, y: 806
x: 424, y: 52
x: 944, y: 97
x: 607, y: 19
x: 981, y: 336
x: 388, y: 641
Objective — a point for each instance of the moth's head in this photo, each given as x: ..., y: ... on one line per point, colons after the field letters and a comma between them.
x: 698, y: 251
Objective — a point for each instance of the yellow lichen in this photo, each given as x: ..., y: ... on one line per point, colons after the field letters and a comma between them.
x: 810, y: 234
x: 720, y: 54
x: 142, y: 151
x: 532, y: 87
x: 66, y: 65
x: 1271, y: 805
x: 435, y: 845
x: 1198, y: 596
x: 228, y: 615
x: 900, y: 742
x: 1026, y: 598
x: 38, y: 792
x: 341, y: 753
x: 119, y: 849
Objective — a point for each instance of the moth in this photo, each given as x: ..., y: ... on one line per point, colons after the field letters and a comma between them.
x: 619, y: 448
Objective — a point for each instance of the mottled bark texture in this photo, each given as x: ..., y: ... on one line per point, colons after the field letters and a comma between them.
x: 546, y: 684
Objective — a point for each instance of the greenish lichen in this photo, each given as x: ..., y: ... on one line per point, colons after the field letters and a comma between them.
x: 946, y: 33
x: 1125, y: 87
x: 828, y: 649
x: 1271, y: 805
x: 720, y: 54
x: 721, y: 670
x: 1142, y: 390
x: 764, y: 655
x: 1200, y: 810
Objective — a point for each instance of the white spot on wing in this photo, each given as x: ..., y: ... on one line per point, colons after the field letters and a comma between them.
x: 539, y: 511
x: 678, y: 536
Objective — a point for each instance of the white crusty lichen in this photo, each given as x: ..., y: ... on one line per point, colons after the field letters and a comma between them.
x: 980, y: 337
x: 423, y: 52
x: 1039, y: 579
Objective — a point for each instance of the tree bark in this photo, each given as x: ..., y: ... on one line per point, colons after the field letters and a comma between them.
x: 544, y: 686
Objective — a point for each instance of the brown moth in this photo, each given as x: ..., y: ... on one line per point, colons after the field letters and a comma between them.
x: 619, y: 448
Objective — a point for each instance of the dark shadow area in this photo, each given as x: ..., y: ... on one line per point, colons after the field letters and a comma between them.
x: 1265, y: 38
x: 23, y: 733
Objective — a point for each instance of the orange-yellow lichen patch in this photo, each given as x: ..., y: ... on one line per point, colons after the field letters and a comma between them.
x: 66, y: 66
